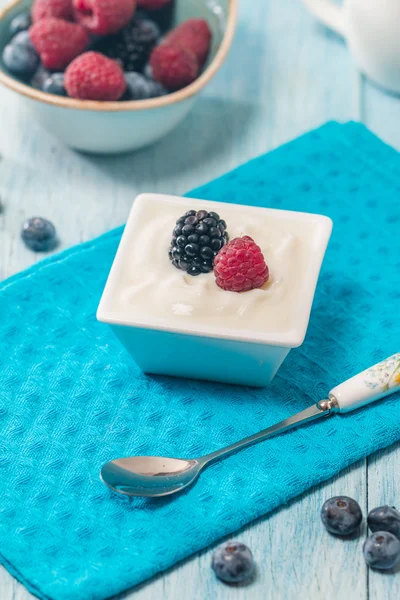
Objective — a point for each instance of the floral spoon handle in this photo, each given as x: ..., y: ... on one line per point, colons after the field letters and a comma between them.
x: 368, y: 386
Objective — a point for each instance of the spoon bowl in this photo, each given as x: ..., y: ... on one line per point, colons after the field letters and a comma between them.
x: 150, y: 475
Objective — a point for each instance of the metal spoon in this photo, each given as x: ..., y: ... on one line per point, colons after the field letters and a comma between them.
x: 155, y: 476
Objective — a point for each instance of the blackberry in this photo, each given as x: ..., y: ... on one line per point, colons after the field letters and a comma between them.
x: 197, y: 238
x: 132, y: 45
x: 164, y: 16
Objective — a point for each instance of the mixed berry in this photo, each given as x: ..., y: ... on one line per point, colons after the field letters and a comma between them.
x: 200, y: 244
x: 342, y: 516
x: 106, y: 49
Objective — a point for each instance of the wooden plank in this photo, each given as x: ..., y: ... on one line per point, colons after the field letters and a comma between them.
x: 383, y: 117
x: 284, y: 75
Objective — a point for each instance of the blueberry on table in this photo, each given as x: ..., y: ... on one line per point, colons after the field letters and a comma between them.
x: 384, y: 518
x: 232, y: 562
x: 21, y: 22
x: 341, y: 515
x: 54, y: 84
x: 382, y: 550
x: 39, y: 234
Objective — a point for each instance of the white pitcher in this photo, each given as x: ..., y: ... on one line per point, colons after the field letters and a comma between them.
x: 372, y: 31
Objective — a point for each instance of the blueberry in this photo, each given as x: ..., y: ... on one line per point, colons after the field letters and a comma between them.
x: 341, y: 515
x: 148, y: 71
x: 157, y: 89
x: 141, y: 88
x: 55, y: 84
x: 384, y: 518
x: 23, y: 39
x: 232, y: 562
x: 40, y: 77
x: 39, y: 234
x: 382, y: 550
x: 20, y: 23
x: 19, y: 59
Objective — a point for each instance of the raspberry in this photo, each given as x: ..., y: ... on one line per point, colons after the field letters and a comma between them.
x: 45, y: 9
x: 152, y: 4
x: 58, y: 42
x: 93, y: 76
x: 194, y: 35
x: 104, y: 16
x: 240, y: 266
x: 173, y: 66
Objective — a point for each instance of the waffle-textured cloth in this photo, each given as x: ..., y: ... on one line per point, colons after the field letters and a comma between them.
x: 71, y: 398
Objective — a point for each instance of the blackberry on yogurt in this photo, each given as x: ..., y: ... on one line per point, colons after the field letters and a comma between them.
x: 197, y: 238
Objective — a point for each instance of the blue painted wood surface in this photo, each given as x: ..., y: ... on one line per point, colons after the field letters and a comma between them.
x: 284, y: 75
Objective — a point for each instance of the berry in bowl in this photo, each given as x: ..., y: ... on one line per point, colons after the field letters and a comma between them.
x: 109, y: 76
x: 213, y: 291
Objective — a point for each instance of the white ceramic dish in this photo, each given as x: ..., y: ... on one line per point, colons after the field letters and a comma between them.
x: 213, y: 335
x: 114, y: 127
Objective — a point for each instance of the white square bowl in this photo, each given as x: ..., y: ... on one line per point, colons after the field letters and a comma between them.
x: 215, y: 350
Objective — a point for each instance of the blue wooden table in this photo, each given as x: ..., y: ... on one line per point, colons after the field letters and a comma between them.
x: 284, y: 75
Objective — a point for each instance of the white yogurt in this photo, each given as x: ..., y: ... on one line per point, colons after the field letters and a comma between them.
x: 149, y: 290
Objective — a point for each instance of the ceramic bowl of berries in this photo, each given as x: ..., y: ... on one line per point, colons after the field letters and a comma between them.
x: 110, y: 76
x: 211, y: 290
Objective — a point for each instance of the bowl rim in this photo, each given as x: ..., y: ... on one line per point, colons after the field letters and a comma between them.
x: 131, y: 105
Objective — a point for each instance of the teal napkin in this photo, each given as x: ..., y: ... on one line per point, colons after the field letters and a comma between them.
x: 71, y: 398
